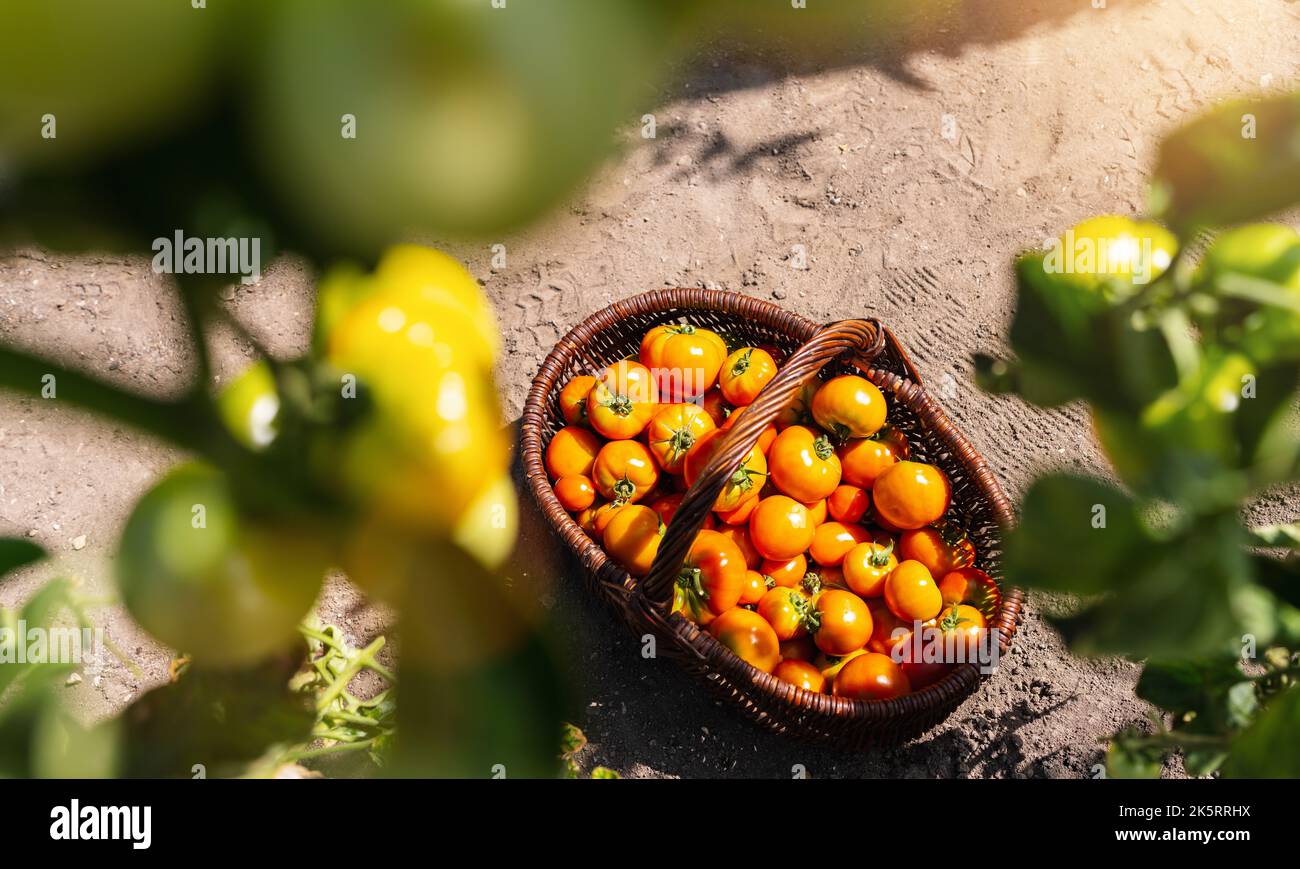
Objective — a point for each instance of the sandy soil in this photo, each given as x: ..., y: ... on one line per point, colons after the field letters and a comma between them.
x: 898, y: 221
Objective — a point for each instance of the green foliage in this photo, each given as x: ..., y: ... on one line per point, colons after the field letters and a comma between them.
x: 16, y: 552
x: 1191, y: 382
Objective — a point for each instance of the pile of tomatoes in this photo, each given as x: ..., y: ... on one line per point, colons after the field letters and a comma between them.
x: 825, y: 550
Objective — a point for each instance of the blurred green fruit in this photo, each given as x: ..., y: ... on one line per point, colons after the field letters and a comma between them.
x: 445, y: 116
x: 227, y: 588
x: 1112, y: 254
x: 250, y: 405
x: 1268, y: 252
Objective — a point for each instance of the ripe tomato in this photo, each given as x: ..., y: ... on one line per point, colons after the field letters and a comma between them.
x: 841, y: 622
x: 799, y: 410
x: 787, y: 610
x: 573, y: 399
x: 848, y: 503
x: 911, y: 593
x: 963, y: 628
x: 713, y: 576
x: 756, y: 585
x: 744, y: 374
x: 800, y: 674
x: 744, y: 482
x: 803, y: 464
x: 740, y: 515
x: 224, y: 587
x: 622, y: 401
x: 823, y: 578
x: 586, y: 519
x: 419, y: 338
x: 973, y: 586
x: 749, y: 636
x: 673, y: 430
x: 849, y: 406
x: 739, y: 535
x: 575, y: 493
x: 571, y: 453
x: 786, y: 572
x: 764, y: 440
x: 780, y: 528
x: 833, y: 540
x: 632, y: 538
x: 911, y: 495
x: 871, y: 676
x: 601, y: 518
x: 865, y: 459
x: 685, y: 360
x: 867, y: 566
x: 715, y: 406
x: 942, y: 548
x: 624, y: 471
x: 799, y: 649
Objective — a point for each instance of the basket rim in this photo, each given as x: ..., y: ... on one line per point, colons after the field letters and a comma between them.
x: 957, y: 684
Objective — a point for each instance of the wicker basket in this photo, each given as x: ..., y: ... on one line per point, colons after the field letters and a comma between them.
x: 978, y: 504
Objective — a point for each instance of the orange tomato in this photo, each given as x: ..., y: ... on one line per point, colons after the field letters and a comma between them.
x: 673, y: 430
x: 963, y: 628
x: 841, y: 622
x: 787, y: 610
x: 622, y: 401
x: 586, y: 519
x: 803, y: 464
x: 942, y: 548
x: 848, y: 503
x: 911, y: 593
x: 871, y: 677
x: 765, y: 439
x: 739, y: 535
x: 740, y: 515
x: 624, y: 471
x: 780, y: 528
x: 830, y: 665
x: 573, y: 399
x: 632, y: 538
x: 849, y: 406
x: 973, y: 586
x: 744, y: 374
x: 749, y: 636
x: 571, y: 452
x: 685, y: 359
x: 800, y: 674
x: 833, y: 540
x: 867, y: 566
x: 816, y: 511
x: 575, y: 493
x: 666, y: 506
x: 756, y: 585
x: 603, y: 514
x: 713, y: 576
x: 744, y: 482
x: 865, y: 459
x: 786, y: 572
x: 911, y: 495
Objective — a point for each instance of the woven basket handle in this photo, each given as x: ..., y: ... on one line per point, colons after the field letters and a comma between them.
x: 865, y: 339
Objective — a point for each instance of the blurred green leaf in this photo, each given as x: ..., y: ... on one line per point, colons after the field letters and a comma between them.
x: 1076, y: 534
x: 1179, y: 686
x: 1131, y: 756
x: 1239, y: 162
x: 219, y: 719
x: 1281, y: 578
x: 1287, y: 535
x: 16, y: 552
x: 1269, y: 748
x: 604, y: 772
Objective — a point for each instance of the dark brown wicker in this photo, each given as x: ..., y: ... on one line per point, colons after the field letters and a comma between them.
x: 979, y: 506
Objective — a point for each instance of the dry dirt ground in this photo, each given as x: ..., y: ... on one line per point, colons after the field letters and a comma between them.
x: 909, y: 182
